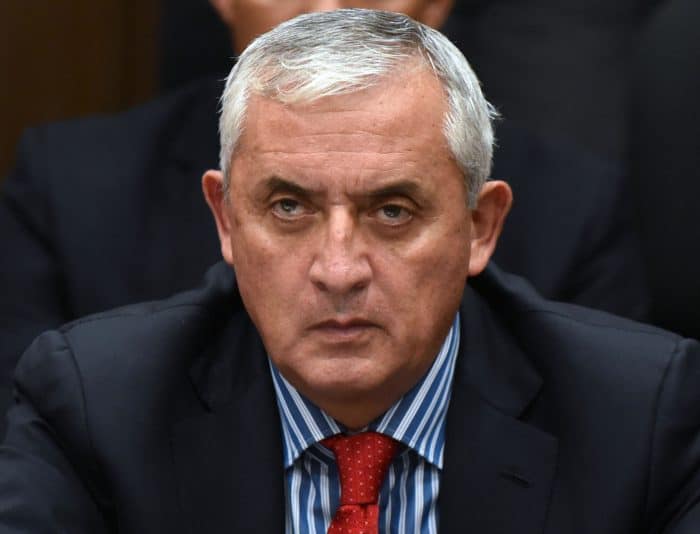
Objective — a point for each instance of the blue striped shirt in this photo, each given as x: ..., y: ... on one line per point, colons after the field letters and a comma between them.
x: 408, y: 496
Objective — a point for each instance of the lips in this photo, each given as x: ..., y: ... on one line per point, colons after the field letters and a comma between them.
x: 344, y: 329
x: 343, y: 324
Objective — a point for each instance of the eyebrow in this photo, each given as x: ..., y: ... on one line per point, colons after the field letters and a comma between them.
x: 408, y: 188
x: 275, y: 184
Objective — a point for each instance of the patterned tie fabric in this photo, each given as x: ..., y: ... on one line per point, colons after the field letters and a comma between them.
x: 363, y: 460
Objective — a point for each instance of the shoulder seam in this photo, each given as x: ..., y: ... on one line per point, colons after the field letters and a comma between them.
x: 652, y: 434
x: 83, y: 398
x: 641, y: 329
x: 117, y: 314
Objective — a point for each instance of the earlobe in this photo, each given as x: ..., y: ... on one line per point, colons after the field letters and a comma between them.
x: 488, y: 217
x: 213, y: 189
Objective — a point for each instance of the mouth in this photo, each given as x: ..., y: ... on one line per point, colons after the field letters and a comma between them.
x: 344, y: 330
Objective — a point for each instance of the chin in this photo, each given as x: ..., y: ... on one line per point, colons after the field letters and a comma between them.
x: 341, y: 379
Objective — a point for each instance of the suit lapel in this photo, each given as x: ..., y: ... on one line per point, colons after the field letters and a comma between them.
x: 498, y: 470
x: 228, y: 450
x: 497, y: 474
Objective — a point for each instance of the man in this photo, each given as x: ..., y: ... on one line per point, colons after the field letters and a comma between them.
x: 352, y: 204
x: 104, y: 212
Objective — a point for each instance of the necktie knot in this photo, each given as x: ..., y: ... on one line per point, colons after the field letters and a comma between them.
x: 363, y: 460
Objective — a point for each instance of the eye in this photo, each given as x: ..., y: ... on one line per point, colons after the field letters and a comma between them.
x: 288, y: 208
x: 393, y: 214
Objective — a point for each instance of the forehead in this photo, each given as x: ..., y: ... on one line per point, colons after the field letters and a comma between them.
x: 404, y: 112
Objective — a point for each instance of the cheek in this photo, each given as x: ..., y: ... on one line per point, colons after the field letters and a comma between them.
x: 270, y: 284
x: 439, y: 250
x: 426, y: 277
x: 258, y: 269
x: 271, y: 271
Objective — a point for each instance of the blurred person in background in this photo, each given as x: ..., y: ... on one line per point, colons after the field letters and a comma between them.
x: 665, y: 161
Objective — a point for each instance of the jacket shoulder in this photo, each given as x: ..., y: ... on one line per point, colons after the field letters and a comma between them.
x: 148, y: 339
x: 216, y: 297
x: 570, y: 330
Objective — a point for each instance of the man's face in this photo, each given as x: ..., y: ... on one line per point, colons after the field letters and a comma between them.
x: 348, y: 228
x: 250, y: 18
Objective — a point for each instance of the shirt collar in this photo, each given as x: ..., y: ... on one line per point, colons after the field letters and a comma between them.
x: 417, y: 419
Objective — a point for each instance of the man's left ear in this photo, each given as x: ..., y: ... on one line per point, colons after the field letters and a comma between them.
x: 435, y: 12
x: 488, y: 217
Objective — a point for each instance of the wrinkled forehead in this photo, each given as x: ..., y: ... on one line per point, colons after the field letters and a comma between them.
x: 397, y: 83
x: 407, y: 104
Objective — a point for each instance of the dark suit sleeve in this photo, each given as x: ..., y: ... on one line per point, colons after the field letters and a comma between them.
x: 47, y: 469
x: 673, y: 502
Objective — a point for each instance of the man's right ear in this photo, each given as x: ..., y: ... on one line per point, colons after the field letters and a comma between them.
x: 225, y: 9
x: 213, y: 188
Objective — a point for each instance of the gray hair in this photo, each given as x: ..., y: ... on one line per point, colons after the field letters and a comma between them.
x: 345, y: 51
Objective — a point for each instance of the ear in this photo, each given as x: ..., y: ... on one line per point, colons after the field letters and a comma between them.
x: 225, y: 9
x: 213, y: 188
x: 435, y: 12
x: 488, y: 217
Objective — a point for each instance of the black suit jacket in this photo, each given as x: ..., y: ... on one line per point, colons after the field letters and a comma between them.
x: 161, y: 417
x: 107, y: 211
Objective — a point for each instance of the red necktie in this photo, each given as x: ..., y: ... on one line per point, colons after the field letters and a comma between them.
x: 363, y: 460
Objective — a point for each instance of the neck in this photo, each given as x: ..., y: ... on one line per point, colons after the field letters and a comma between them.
x: 356, y: 416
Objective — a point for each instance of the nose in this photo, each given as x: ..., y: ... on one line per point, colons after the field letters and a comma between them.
x: 341, y: 266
